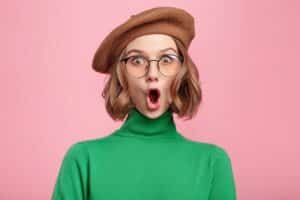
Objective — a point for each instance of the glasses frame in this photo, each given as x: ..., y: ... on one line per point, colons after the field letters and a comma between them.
x: 179, y: 57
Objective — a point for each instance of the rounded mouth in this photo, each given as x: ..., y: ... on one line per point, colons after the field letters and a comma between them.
x: 153, y: 94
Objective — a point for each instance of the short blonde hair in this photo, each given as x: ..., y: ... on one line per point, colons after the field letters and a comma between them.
x: 185, y: 89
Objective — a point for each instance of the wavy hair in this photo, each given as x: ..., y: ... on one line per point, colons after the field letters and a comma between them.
x: 185, y: 89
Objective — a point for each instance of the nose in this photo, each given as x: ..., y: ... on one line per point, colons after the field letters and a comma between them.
x: 152, y: 74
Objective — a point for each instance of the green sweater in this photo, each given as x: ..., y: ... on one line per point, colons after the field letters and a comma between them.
x: 145, y: 159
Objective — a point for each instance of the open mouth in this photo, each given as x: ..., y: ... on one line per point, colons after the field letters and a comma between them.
x: 153, y: 95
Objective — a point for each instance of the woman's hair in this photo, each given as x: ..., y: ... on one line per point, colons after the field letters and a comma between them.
x: 185, y: 89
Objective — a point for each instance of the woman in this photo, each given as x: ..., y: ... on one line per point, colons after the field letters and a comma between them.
x: 151, y: 77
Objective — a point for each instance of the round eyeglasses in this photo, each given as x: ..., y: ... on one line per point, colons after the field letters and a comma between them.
x: 138, y: 65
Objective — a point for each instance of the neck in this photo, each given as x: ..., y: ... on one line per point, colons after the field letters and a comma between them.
x: 138, y: 124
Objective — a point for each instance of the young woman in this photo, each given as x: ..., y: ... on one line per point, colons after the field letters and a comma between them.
x: 151, y: 77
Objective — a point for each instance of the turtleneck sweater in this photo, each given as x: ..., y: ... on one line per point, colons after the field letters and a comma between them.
x: 145, y: 159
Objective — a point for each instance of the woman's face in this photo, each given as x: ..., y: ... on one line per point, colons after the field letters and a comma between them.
x: 138, y: 87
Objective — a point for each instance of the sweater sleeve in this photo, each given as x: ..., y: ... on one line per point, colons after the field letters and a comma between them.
x: 71, y: 182
x: 223, y: 184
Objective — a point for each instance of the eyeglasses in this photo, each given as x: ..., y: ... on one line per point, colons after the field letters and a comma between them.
x: 138, y: 65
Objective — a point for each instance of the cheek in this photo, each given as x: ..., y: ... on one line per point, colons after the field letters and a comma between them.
x: 167, y: 91
x: 134, y: 90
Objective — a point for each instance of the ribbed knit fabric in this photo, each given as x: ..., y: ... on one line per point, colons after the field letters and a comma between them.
x: 145, y: 159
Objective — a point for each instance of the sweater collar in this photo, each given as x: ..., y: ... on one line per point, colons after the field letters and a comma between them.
x: 138, y: 124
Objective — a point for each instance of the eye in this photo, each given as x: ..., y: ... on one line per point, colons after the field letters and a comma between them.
x: 167, y: 59
x: 137, y: 60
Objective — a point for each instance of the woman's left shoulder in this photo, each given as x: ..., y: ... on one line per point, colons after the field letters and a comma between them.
x: 215, y: 150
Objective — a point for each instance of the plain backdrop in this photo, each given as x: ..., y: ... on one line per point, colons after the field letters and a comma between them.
x: 247, y: 54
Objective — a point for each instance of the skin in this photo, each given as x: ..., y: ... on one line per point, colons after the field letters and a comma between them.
x: 151, y: 44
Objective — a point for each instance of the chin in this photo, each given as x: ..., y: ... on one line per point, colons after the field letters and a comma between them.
x: 155, y: 113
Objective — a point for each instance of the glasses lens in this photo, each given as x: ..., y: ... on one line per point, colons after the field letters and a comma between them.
x: 136, y: 66
x: 169, y: 65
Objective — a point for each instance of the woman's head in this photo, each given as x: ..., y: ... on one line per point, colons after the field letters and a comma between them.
x: 126, y: 88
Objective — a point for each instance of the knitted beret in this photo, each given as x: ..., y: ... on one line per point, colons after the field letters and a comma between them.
x: 172, y: 21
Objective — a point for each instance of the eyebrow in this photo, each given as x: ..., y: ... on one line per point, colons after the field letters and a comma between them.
x: 143, y: 52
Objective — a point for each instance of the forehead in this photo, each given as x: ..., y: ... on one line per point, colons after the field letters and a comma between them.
x: 152, y: 44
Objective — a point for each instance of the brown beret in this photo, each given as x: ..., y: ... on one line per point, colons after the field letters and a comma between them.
x: 172, y: 21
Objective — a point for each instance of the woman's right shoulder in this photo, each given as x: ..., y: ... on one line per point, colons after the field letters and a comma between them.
x: 83, y: 147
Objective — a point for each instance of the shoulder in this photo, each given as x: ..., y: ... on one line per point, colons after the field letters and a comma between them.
x: 215, y: 151
x: 82, y: 149
x: 75, y: 151
x: 217, y: 157
x: 220, y: 152
x: 208, y: 146
x: 220, y: 159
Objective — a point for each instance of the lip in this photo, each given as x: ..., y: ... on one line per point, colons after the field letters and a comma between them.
x: 157, y: 89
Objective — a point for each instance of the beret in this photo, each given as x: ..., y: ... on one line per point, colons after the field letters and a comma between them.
x: 172, y: 21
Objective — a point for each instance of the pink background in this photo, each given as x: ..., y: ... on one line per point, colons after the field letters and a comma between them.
x: 247, y: 53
